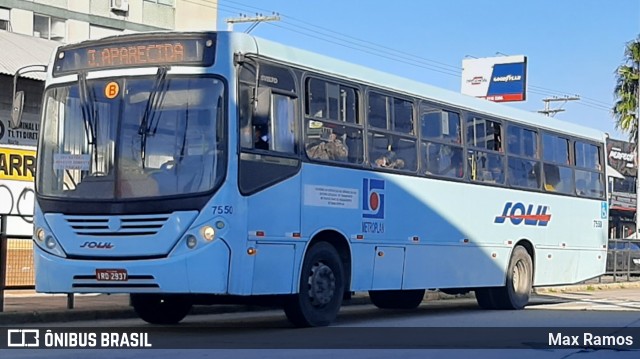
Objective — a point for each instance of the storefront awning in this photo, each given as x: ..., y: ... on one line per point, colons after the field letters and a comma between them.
x: 612, y: 172
x: 21, y: 50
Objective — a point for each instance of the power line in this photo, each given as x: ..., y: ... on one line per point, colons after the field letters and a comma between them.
x: 255, y: 20
x: 355, y: 41
x: 549, y: 111
x: 382, y: 51
x: 372, y: 52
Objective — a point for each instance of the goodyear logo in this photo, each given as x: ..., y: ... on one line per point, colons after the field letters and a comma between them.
x: 15, y: 164
x: 530, y: 214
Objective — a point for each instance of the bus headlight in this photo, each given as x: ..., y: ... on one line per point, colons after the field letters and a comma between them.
x: 192, y: 241
x: 40, y: 234
x: 208, y: 233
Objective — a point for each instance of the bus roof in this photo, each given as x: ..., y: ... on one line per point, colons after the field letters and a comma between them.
x: 324, y: 64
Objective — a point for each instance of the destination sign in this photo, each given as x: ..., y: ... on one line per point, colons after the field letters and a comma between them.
x: 195, y: 50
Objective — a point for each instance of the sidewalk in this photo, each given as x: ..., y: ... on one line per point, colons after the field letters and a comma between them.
x: 23, y: 307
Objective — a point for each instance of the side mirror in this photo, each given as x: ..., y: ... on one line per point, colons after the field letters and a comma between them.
x: 16, y: 109
x: 262, y: 106
x: 18, y: 96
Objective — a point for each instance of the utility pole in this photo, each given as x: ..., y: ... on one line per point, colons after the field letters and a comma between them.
x: 254, y: 19
x: 550, y: 112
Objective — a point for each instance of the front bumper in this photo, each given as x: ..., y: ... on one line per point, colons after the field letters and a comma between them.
x: 203, y: 270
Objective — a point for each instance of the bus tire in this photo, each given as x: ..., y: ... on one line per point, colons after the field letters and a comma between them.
x: 515, y: 294
x: 321, y: 288
x: 484, y: 297
x: 160, y: 309
x: 397, y: 299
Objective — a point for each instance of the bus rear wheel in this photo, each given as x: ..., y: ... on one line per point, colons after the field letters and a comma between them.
x: 515, y: 294
x: 160, y: 309
x: 321, y: 288
x: 397, y: 299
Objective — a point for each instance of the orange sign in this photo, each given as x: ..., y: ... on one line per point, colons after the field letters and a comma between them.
x: 111, y: 90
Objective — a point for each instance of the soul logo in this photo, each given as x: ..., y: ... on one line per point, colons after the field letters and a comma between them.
x: 531, y: 214
x: 97, y: 245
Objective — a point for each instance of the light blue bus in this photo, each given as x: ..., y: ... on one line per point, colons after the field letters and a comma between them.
x: 216, y: 167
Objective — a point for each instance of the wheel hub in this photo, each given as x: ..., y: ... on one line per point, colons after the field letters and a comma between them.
x: 322, y: 284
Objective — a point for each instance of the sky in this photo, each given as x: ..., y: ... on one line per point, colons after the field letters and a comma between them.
x: 573, y: 47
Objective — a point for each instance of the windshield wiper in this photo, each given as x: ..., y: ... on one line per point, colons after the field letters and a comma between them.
x: 89, y: 114
x: 149, y: 121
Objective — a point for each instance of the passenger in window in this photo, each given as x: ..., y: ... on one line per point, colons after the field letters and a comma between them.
x: 455, y: 168
x: 581, y: 187
x: 261, y: 138
x: 330, y: 148
x: 353, y: 141
x: 551, y: 177
x: 513, y: 145
x: 389, y: 160
x: 496, y: 168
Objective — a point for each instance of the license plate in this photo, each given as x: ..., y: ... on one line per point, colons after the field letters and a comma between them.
x: 112, y: 275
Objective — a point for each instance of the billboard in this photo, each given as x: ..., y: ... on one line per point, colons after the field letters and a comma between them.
x: 498, y: 79
x: 17, y: 170
x: 25, y: 135
x: 622, y: 158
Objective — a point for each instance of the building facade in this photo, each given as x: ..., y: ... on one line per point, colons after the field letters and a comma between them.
x: 30, y: 31
x: 70, y: 21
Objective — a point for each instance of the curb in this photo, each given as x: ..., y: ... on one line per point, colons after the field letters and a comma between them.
x: 587, y: 287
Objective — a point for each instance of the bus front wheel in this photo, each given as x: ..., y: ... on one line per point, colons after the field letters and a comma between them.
x: 321, y: 288
x: 160, y: 309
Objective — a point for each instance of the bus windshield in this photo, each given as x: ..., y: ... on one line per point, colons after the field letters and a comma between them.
x: 131, y: 138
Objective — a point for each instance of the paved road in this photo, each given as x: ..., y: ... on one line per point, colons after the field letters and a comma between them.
x: 359, y: 325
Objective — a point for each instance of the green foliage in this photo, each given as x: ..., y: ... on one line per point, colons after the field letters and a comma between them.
x: 626, y: 91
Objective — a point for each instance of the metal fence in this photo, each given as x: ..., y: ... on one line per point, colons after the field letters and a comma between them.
x: 623, y: 258
x: 16, y: 261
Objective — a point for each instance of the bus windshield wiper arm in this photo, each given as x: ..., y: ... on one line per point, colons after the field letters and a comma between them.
x: 149, y: 120
x: 89, y: 114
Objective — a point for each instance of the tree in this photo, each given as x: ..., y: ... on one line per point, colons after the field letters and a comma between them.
x: 626, y: 91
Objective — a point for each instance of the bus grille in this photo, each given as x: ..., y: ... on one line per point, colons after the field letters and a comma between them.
x: 116, y: 225
x: 133, y: 282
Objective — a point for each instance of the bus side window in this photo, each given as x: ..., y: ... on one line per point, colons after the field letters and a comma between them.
x: 443, y: 160
x: 558, y: 179
x: 353, y: 141
x: 245, y: 112
x: 316, y: 98
x: 406, y: 150
x: 283, y: 129
x: 551, y: 177
x: 486, y: 167
x: 378, y: 113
